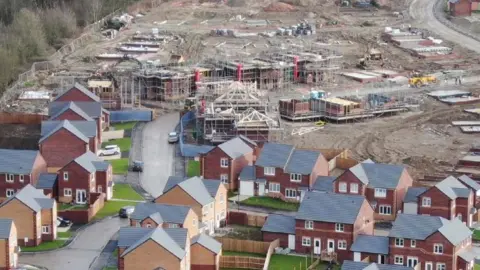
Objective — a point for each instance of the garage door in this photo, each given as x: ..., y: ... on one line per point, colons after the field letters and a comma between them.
x: 246, y: 188
x: 410, y: 208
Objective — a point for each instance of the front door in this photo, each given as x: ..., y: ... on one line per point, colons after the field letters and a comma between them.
x: 261, y: 189
x: 81, y: 196
x: 291, y: 241
x: 317, y: 246
x: 218, y: 221
x: 331, y: 245
x: 381, y: 259
x: 412, y: 261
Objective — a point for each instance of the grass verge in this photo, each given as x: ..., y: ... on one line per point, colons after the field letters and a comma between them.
x: 66, y: 234
x: 123, y: 143
x: 123, y: 126
x: 193, y: 168
x: 45, y: 246
x: 244, y: 254
x: 119, y: 166
x: 272, y: 203
x: 111, y: 208
x: 126, y: 192
x: 67, y: 206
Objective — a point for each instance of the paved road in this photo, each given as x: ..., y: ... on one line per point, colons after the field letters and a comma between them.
x: 84, y: 249
x: 422, y: 13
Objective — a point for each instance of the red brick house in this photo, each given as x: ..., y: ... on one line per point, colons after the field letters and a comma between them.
x: 77, y: 92
x: 82, y: 176
x: 329, y: 230
x: 226, y: 161
x: 283, y: 171
x: 19, y: 168
x: 384, y: 186
x: 371, y: 248
x: 431, y: 242
x: 461, y: 8
x: 87, y: 128
x: 63, y: 144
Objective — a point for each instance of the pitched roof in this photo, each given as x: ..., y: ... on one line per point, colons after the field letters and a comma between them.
x: 370, y: 244
x: 68, y: 126
x: 235, y: 148
x: 33, y: 198
x: 468, y: 254
x: 324, y: 183
x: 193, y: 186
x: 279, y: 224
x: 413, y: 193
x: 46, y: 180
x: 212, y: 186
x: 172, y: 182
x: 92, y: 108
x: 90, y: 162
x: 351, y: 265
x: 419, y: 227
x: 82, y: 89
x: 378, y: 175
x: 247, y: 140
x: 336, y: 208
x: 208, y: 242
x: 274, y: 155
x: 469, y: 182
x: 453, y: 188
x: 302, y: 161
x: 87, y: 128
x: 69, y: 106
x: 17, y: 161
x: 160, y: 212
x: 133, y: 237
x: 247, y: 173
x: 5, y: 228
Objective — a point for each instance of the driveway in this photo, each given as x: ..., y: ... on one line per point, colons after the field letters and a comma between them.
x: 82, y: 251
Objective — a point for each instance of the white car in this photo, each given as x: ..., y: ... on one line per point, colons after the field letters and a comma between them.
x: 110, y: 150
x: 172, y: 137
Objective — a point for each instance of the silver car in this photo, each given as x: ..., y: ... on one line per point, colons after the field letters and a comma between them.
x: 173, y: 137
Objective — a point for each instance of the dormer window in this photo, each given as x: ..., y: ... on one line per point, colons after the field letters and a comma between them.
x: 295, y: 177
x: 9, y: 177
x: 269, y: 170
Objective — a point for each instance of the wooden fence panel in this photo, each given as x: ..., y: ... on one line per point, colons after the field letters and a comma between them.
x: 345, y: 163
x: 242, y: 218
x: 21, y: 118
x: 242, y: 262
x: 238, y: 245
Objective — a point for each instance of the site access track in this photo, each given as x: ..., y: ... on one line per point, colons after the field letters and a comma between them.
x: 422, y: 12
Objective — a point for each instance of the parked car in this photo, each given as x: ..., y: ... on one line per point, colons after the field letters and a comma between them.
x: 137, y: 166
x: 126, y: 211
x: 63, y: 222
x: 173, y: 137
x: 110, y: 150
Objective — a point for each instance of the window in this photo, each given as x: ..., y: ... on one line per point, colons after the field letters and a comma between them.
x: 342, y: 244
x: 353, y: 188
x: 274, y: 187
x: 290, y: 193
x: 269, y: 171
x: 380, y: 193
x: 221, y: 198
x: 438, y: 249
x: 224, y: 178
x: 21, y: 177
x: 441, y: 266
x: 10, y: 192
x: 223, y: 214
x: 426, y: 202
x: 224, y: 163
x: 9, y: 177
x: 413, y: 243
x: 103, y: 118
x: 295, y: 177
x: 385, y: 210
x: 65, y: 176
x: 67, y: 192
x: 309, y: 224
x: 459, y: 216
x: 194, y: 222
x: 399, y: 242
x: 46, y: 229
x: 150, y: 225
x: 306, y: 241
x: 339, y: 227
x: 342, y: 187
x: 428, y: 266
x: 172, y: 225
x: 399, y: 260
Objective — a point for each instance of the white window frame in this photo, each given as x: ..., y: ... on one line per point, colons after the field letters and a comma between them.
x: 11, y: 191
x: 65, y: 193
x: 380, y: 192
x: 339, y: 227
x: 342, y: 244
x: 221, y: 198
x: 99, y: 189
x: 295, y: 177
x: 306, y: 241
x: 398, y: 260
x: 382, y: 209
x: 342, y: 187
x: 426, y: 202
x: 399, y: 242
x: 441, y: 266
x: 427, y: 264
x: 10, y: 178
x: 45, y: 229
x: 21, y: 177
x: 224, y: 162
x: 224, y: 178
x: 150, y: 225
x: 413, y: 243
x: 352, y: 189
x: 194, y: 222
x: 437, y: 248
x: 290, y: 193
x: 173, y: 225
x: 269, y: 171
x: 65, y: 176
x: 274, y: 187
x: 309, y: 224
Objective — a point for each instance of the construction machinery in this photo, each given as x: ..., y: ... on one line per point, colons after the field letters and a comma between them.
x: 419, y: 80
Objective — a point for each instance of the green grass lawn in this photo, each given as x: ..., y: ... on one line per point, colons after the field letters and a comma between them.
x: 45, y: 246
x: 66, y: 234
x: 245, y: 254
x: 476, y: 235
x: 123, y: 143
x: 126, y: 192
x: 281, y: 262
x: 67, y: 206
x: 272, y: 203
x: 476, y: 267
x: 193, y: 168
x: 123, y: 126
x: 119, y: 166
x: 110, y: 268
x: 111, y: 208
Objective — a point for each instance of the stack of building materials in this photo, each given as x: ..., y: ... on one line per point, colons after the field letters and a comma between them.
x: 370, y: 76
x: 468, y: 126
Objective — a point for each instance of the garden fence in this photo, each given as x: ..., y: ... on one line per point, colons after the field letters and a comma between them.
x: 239, y: 245
x: 243, y: 262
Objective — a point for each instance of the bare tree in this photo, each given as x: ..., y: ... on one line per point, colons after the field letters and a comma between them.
x: 95, y: 8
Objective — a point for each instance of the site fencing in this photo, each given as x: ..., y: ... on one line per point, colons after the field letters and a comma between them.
x: 184, y: 121
x: 131, y: 115
x: 439, y: 13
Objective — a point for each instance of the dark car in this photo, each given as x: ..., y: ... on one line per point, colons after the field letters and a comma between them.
x: 126, y: 211
x: 62, y: 222
x: 137, y: 166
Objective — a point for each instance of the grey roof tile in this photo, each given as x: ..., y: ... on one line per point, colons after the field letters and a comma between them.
x: 5, y: 228
x: 469, y: 182
x: 302, y: 161
x: 324, y: 183
x: 87, y: 128
x: 46, y: 180
x: 453, y: 188
x: 468, y: 255
x: 70, y: 106
x: 82, y: 89
x: 179, y: 235
x: 166, y: 212
x: 247, y: 140
x: 17, y: 161
x: 235, y: 148
x: 172, y: 182
x: 274, y: 155
x: 68, y: 126
x: 455, y: 231
x: 208, y: 242
x: 279, y: 224
x: 247, y: 174
x: 193, y: 186
x: 351, y: 265
x: 413, y: 193
x: 370, y: 244
x: 330, y: 207
x: 90, y: 162
x: 127, y: 236
x: 92, y: 109
x: 159, y: 235
x: 212, y: 186
x: 378, y: 175
x: 33, y: 198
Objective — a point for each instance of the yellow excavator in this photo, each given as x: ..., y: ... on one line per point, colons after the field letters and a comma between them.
x: 419, y: 80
